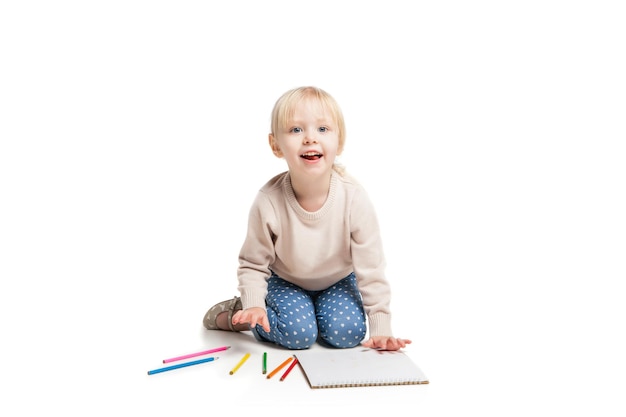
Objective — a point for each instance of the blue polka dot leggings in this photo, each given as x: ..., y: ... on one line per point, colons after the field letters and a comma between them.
x: 298, y: 318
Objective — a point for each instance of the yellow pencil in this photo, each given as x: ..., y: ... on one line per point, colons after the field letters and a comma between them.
x: 245, y: 358
x: 279, y: 367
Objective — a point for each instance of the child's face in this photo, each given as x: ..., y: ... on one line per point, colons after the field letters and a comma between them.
x: 309, y: 141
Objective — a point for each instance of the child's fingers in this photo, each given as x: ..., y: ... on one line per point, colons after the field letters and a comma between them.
x: 266, y: 324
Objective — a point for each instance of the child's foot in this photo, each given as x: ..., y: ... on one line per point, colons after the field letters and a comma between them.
x: 220, y: 316
x: 224, y: 321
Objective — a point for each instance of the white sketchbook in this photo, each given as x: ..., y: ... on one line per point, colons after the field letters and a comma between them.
x: 358, y: 367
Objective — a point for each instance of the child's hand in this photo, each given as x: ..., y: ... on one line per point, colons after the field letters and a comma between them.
x: 252, y: 316
x: 386, y: 343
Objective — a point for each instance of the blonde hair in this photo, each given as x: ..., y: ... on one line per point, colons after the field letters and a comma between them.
x: 284, y: 109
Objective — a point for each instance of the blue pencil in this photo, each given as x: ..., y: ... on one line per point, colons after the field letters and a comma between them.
x: 181, y: 365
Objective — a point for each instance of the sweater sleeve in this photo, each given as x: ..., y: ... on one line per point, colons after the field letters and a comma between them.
x: 369, y: 265
x: 257, y: 253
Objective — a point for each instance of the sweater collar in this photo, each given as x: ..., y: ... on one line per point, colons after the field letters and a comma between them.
x: 310, y: 215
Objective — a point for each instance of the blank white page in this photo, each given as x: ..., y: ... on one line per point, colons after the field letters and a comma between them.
x: 332, y: 368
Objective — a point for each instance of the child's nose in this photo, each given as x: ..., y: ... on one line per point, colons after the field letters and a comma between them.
x: 310, y: 137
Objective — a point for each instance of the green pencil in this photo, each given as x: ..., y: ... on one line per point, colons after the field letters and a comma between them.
x: 264, y: 362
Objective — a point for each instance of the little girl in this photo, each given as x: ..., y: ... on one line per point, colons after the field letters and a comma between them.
x: 312, y: 265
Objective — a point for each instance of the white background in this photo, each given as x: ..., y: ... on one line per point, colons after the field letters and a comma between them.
x: 490, y: 137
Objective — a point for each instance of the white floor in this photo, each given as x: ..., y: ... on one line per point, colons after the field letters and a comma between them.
x: 495, y: 357
x: 248, y: 387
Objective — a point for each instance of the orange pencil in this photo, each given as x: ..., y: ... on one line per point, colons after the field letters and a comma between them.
x: 279, y: 367
x: 295, y: 361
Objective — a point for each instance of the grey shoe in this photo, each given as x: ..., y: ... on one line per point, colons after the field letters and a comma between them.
x: 232, y: 306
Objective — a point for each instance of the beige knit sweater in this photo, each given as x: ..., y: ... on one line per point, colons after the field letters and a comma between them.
x: 314, y: 250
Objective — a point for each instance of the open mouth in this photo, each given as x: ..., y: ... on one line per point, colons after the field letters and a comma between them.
x: 311, y: 156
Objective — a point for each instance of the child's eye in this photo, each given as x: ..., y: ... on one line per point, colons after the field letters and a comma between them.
x: 296, y: 130
x: 323, y: 129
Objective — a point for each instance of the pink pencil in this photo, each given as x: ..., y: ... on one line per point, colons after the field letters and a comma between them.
x: 191, y: 355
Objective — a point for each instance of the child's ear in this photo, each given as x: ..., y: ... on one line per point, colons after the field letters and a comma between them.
x: 274, y: 146
x: 339, y: 150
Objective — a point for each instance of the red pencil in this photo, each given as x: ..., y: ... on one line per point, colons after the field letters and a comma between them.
x: 295, y: 361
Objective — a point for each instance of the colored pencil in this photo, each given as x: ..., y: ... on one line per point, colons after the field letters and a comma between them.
x: 264, y: 362
x: 181, y: 365
x: 279, y: 367
x: 193, y: 355
x: 245, y: 358
x: 295, y: 361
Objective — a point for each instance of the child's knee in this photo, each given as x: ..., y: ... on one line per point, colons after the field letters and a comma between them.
x: 298, y: 339
x: 343, y: 335
x: 297, y: 335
